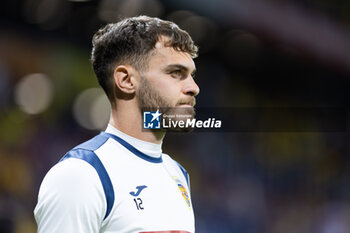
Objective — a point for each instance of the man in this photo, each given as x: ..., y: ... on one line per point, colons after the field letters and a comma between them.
x: 120, y: 181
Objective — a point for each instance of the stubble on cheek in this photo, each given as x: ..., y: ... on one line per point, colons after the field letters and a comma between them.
x: 149, y: 97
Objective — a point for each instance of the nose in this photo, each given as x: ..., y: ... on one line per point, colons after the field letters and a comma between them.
x: 190, y: 87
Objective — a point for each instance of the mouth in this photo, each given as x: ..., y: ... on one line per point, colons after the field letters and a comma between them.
x: 190, y: 103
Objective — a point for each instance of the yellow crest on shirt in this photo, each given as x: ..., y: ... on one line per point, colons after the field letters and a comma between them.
x: 183, y: 191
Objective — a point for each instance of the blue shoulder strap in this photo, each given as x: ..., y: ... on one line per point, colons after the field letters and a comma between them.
x: 86, y: 152
x: 185, y: 173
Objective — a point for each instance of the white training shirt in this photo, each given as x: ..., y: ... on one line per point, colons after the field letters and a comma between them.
x: 115, y: 183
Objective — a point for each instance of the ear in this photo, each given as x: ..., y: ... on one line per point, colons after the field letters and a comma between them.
x: 123, y: 79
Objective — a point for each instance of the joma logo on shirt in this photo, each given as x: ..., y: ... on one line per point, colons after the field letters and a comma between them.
x: 138, y: 201
x: 139, y: 190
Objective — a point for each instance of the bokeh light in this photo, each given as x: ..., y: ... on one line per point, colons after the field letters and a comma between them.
x: 91, y: 109
x: 34, y: 93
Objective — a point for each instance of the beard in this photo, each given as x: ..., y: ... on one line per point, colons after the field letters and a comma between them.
x: 150, y: 99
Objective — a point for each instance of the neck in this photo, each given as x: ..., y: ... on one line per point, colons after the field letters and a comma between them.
x: 129, y: 121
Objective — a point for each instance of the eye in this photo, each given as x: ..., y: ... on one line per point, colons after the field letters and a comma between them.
x: 176, y: 73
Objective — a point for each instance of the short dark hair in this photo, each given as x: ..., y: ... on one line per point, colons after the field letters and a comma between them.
x: 131, y: 41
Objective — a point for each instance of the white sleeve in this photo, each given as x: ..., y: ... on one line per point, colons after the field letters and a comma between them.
x: 71, y: 199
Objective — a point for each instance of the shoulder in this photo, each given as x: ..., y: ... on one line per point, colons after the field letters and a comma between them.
x: 94, y: 143
x: 177, y: 166
x: 84, y: 156
x: 172, y: 161
x: 79, y: 168
x: 70, y: 199
x: 70, y: 177
x: 75, y: 178
x: 76, y: 194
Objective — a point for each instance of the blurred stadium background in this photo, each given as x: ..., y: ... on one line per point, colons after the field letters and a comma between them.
x: 252, y: 53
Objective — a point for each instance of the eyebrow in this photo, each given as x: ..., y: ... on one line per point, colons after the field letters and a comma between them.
x: 179, y: 66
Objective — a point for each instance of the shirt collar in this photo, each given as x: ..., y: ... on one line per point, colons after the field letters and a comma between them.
x: 148, y: 148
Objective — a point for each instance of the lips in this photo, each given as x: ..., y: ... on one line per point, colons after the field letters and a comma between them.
x: 190, y: 103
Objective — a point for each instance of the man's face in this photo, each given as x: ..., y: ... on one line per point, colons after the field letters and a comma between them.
x: 168, y: 82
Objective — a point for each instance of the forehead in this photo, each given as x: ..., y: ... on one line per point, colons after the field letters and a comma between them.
x: 164, y: 56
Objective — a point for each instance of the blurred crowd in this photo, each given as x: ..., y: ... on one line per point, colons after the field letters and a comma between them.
x: 241, y: 182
